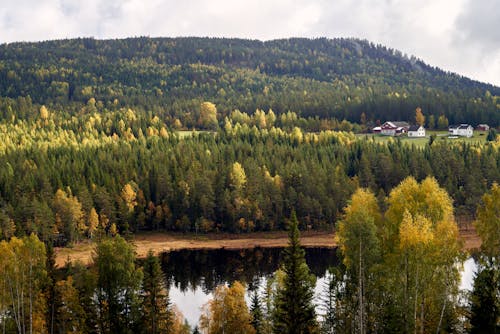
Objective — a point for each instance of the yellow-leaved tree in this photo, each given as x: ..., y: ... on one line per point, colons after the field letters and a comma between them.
x: 129, y: 195
x: 69, y: 215
x: 227, y: 312
x: 419, y: 116
x: 23, y: 276
x: 487, y: 223
x: 357, y: 237
x: 422, y: 251
x: 44, y: 113
x: 208, y: 116
x: 93, y: 222
x: 237, y: 177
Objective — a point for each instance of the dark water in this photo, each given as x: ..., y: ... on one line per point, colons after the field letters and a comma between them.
x: 193, y: 274
x: 188, y: 269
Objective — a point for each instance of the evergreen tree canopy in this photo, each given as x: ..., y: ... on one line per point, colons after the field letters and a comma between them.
x: 156, y: 306
x: 294, y: 310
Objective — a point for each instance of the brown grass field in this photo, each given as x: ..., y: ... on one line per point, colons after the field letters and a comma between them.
x: 160, y: 242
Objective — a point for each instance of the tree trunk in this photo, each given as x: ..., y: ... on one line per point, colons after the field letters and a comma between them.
x: 442, y: 312
x: 30, y: 293
x: 361, y: 306
x: 405, y: 312
x: 415, y: 304
x: 422, y: 316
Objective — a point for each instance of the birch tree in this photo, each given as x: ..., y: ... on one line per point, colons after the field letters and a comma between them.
x: 22, y: 264
x: 359, y: 244
x: 227, y: 312
x: 421, y: 250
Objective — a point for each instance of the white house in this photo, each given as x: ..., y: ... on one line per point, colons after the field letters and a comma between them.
x: 416, y: 131
x: 462, y: 130
x: 394, y: 128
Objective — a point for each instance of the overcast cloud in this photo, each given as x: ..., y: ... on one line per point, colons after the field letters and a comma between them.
x: 461, y: 36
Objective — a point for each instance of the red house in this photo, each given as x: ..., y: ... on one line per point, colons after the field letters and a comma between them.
x: 483, y: 127
x: 394, y: 128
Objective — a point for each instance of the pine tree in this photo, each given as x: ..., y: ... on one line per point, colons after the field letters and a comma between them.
x: 156, y: 303
x: 485, y: 309
x: 294, y: 312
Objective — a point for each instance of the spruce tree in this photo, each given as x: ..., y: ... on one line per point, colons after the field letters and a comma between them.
x: 333, y: 302
x: 485, y: 309
x: 118, y: 286
x: 294, y: 312
x: 156, y: 303
x: 256, y: 312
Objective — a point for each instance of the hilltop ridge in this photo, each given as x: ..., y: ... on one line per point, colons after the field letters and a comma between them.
x: 340, y: 78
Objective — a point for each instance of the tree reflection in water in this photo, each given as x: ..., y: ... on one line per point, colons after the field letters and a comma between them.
x: 205, y: 269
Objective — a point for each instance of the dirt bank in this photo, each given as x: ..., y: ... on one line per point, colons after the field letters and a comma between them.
x: 161, y: 242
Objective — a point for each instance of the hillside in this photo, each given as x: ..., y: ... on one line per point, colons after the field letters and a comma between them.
x: 104, y: 154
x: 339, y: 78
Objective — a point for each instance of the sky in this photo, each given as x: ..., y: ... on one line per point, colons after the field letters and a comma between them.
x: 461, y: 36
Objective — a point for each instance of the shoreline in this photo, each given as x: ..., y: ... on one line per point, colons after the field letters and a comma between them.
x: 160, y: 242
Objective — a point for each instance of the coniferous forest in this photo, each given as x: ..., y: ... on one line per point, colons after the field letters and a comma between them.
x: 328, y: 78
x: 104, y: 139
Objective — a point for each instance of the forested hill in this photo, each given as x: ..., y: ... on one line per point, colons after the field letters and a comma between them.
x: 339, y: 78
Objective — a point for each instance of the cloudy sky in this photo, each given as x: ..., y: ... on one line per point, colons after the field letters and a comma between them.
x: 461, y: 36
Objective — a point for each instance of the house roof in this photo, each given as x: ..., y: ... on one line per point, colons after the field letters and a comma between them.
x: 396, y: 124
x: 400, y: 124
x: 464, y: 126
x: 414, y: 127
x: 454, y: 126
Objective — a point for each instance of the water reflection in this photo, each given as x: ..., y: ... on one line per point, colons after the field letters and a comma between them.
x: 193, y: 274
x: 205, y: 269
x: 468, y: 273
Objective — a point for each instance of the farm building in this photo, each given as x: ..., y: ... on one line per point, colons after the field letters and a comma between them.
x: 416, y: 131
x: 462, y: 130
x: 483, y: 127
x: 394, y: 128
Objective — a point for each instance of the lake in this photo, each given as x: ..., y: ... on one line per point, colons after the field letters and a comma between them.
x: 193, y: 274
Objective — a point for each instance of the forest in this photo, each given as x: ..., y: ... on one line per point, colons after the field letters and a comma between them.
x: 66, y: 177
x: 328, y: 78
x: 103, y: 139
x: 106, y: 175
x: 399, y: 274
